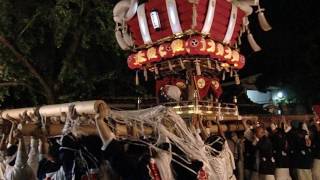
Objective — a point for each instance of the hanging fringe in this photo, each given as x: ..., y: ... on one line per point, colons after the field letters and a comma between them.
x: 262, y: 20
x: 209, y: 63
x: 182, y: 64
x: 223, y: 75
x: 239, y: 41
x: 198, y: 69
x: 255, y: 47
x: 145, y: 74
x: 218, y: 66
x: 170, y: 66
x: 236, y: 78
x: 156, y: 70
x: 231, y: 73
x: 137, y: 78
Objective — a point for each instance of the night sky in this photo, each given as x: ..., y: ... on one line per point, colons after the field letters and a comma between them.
x: 290, y: 56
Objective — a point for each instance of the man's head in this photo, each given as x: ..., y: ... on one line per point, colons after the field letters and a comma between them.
x: 260, y: 132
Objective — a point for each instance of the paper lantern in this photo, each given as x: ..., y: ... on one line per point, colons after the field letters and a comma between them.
x: 132, y: 64
x: 220, y: 52
x: 153, y: 55
x: 211, y: 48
x: 235, y: 56
x: 165, y: 50
x: 227, y: 53
x: 141, y: 57
x: 196, y: 45
x: 178, y: 47
x: 241, y: 63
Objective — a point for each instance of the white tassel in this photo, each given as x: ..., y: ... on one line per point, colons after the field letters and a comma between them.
x: 231, y: 73
x: 253, y: 42
x: 223, y: 75
x: 170, y: 66
x: 209, y: 63
x: 182, y: 64
x: 198, y: 69
x: 262, y: 20
x: 145, y: 74
x: 137, y: 78
x: 218, y: 66
x: 239, y: 40
x: 156, y: 70
x: 236, y: 78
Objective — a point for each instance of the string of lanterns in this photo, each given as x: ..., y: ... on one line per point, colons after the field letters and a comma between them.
x: 195, y: 46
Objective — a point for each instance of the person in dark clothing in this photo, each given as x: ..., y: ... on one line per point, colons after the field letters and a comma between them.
x: 300, y: 152
x: 263, y: 146
x: 250, y: 166
x: 315, y: 134
x: 279, y: 141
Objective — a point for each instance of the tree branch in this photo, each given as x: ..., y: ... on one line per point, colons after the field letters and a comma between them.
x: 48, y: 92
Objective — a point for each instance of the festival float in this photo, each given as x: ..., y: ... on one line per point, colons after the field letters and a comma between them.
x: 188, y: 47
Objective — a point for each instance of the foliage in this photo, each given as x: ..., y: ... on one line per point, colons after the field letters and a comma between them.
x: 71, y: 46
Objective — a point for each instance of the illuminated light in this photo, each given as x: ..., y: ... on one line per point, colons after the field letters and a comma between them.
x: 190, y: 106
x: 209, y: 17
x: 177, y: 46
x: 162, y: 51
x: 179, y: 112
x: 198, y: 112
x: 220, y: 50
x: 209, y: 112
x: 140, y: 57
x: 204, y: 44
x: 225, y: 65
x: 235, y: 56
x: 176, y: 107
x: 155, y: 20
x: 231, y: 25
x: 211, y: 46
x: 152, y: 53
x: 143, y: 25
x: 228, y: 53
x: 280, y: 95
x: 191, y: 112
x: 173, y: 17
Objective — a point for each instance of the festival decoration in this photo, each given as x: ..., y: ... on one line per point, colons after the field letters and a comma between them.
x: 196, y: 45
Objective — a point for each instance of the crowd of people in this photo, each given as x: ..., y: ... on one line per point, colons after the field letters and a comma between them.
x: 282, y: 151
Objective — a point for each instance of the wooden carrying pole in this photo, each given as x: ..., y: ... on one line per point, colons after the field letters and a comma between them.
x: 83, y: 107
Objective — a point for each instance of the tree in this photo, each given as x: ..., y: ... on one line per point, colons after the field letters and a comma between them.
x: 59, y: 50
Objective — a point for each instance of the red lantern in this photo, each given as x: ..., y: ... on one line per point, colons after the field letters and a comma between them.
x: 196, y: 45
x: 235, y: 56
x: 227, y: 54
x: 220, y: 52
x: 178, y: 47
x: 132, y: 64
x: 141, y: 57
x: 165, y: 50
x: 241, y: 63
x: 211, y: 48
x: 153, y: 55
